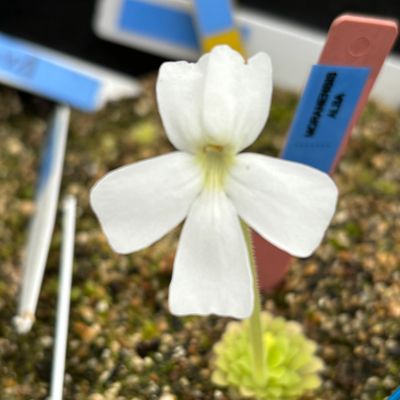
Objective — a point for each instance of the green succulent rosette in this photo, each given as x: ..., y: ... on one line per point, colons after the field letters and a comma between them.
x: 292, y: 368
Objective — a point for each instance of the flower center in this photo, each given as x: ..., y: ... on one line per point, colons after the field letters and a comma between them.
x: 215, y: 162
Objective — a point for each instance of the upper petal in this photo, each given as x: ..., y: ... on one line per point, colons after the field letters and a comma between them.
x: 211, y: 271
x: 287, y: 203
x: 237, y: 96
x: 139, y: 203
x: 179, y: 91
x: 219, y: 100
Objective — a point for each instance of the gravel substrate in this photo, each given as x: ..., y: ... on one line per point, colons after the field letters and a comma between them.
x: 123, y: 343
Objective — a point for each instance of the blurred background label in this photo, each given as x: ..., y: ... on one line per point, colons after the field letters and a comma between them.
x: 28, y: 68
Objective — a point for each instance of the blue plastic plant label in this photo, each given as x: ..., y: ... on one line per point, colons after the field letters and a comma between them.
x: 395, y: 395
x: 213, y: 16
x: 323, y: 115
x: 172, y: 28
x: 159, y: 22
x: 215, y: 25
x: 29, y: 69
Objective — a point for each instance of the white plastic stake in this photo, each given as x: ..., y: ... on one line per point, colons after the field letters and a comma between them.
x: 42, y: 224
x: 62, y: 318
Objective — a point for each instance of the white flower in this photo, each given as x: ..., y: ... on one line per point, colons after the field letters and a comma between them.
x: 211, y: 111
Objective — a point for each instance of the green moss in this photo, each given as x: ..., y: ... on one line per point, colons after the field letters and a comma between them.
x: 144, y: 132
x: 386, y: 187
x: 354, y: 230
x: 149, y: 330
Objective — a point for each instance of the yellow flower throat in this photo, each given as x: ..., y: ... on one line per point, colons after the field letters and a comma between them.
x: 215, y: 162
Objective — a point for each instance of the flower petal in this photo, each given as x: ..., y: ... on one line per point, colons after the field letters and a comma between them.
x: 237, y: 96
x: 211, y: 272
x: 179, y: 91
x: 219, y: 100
x: 139, y: 203
x: 287, y: 203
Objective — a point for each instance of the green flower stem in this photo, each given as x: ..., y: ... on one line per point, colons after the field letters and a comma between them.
x: 255, y: 329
